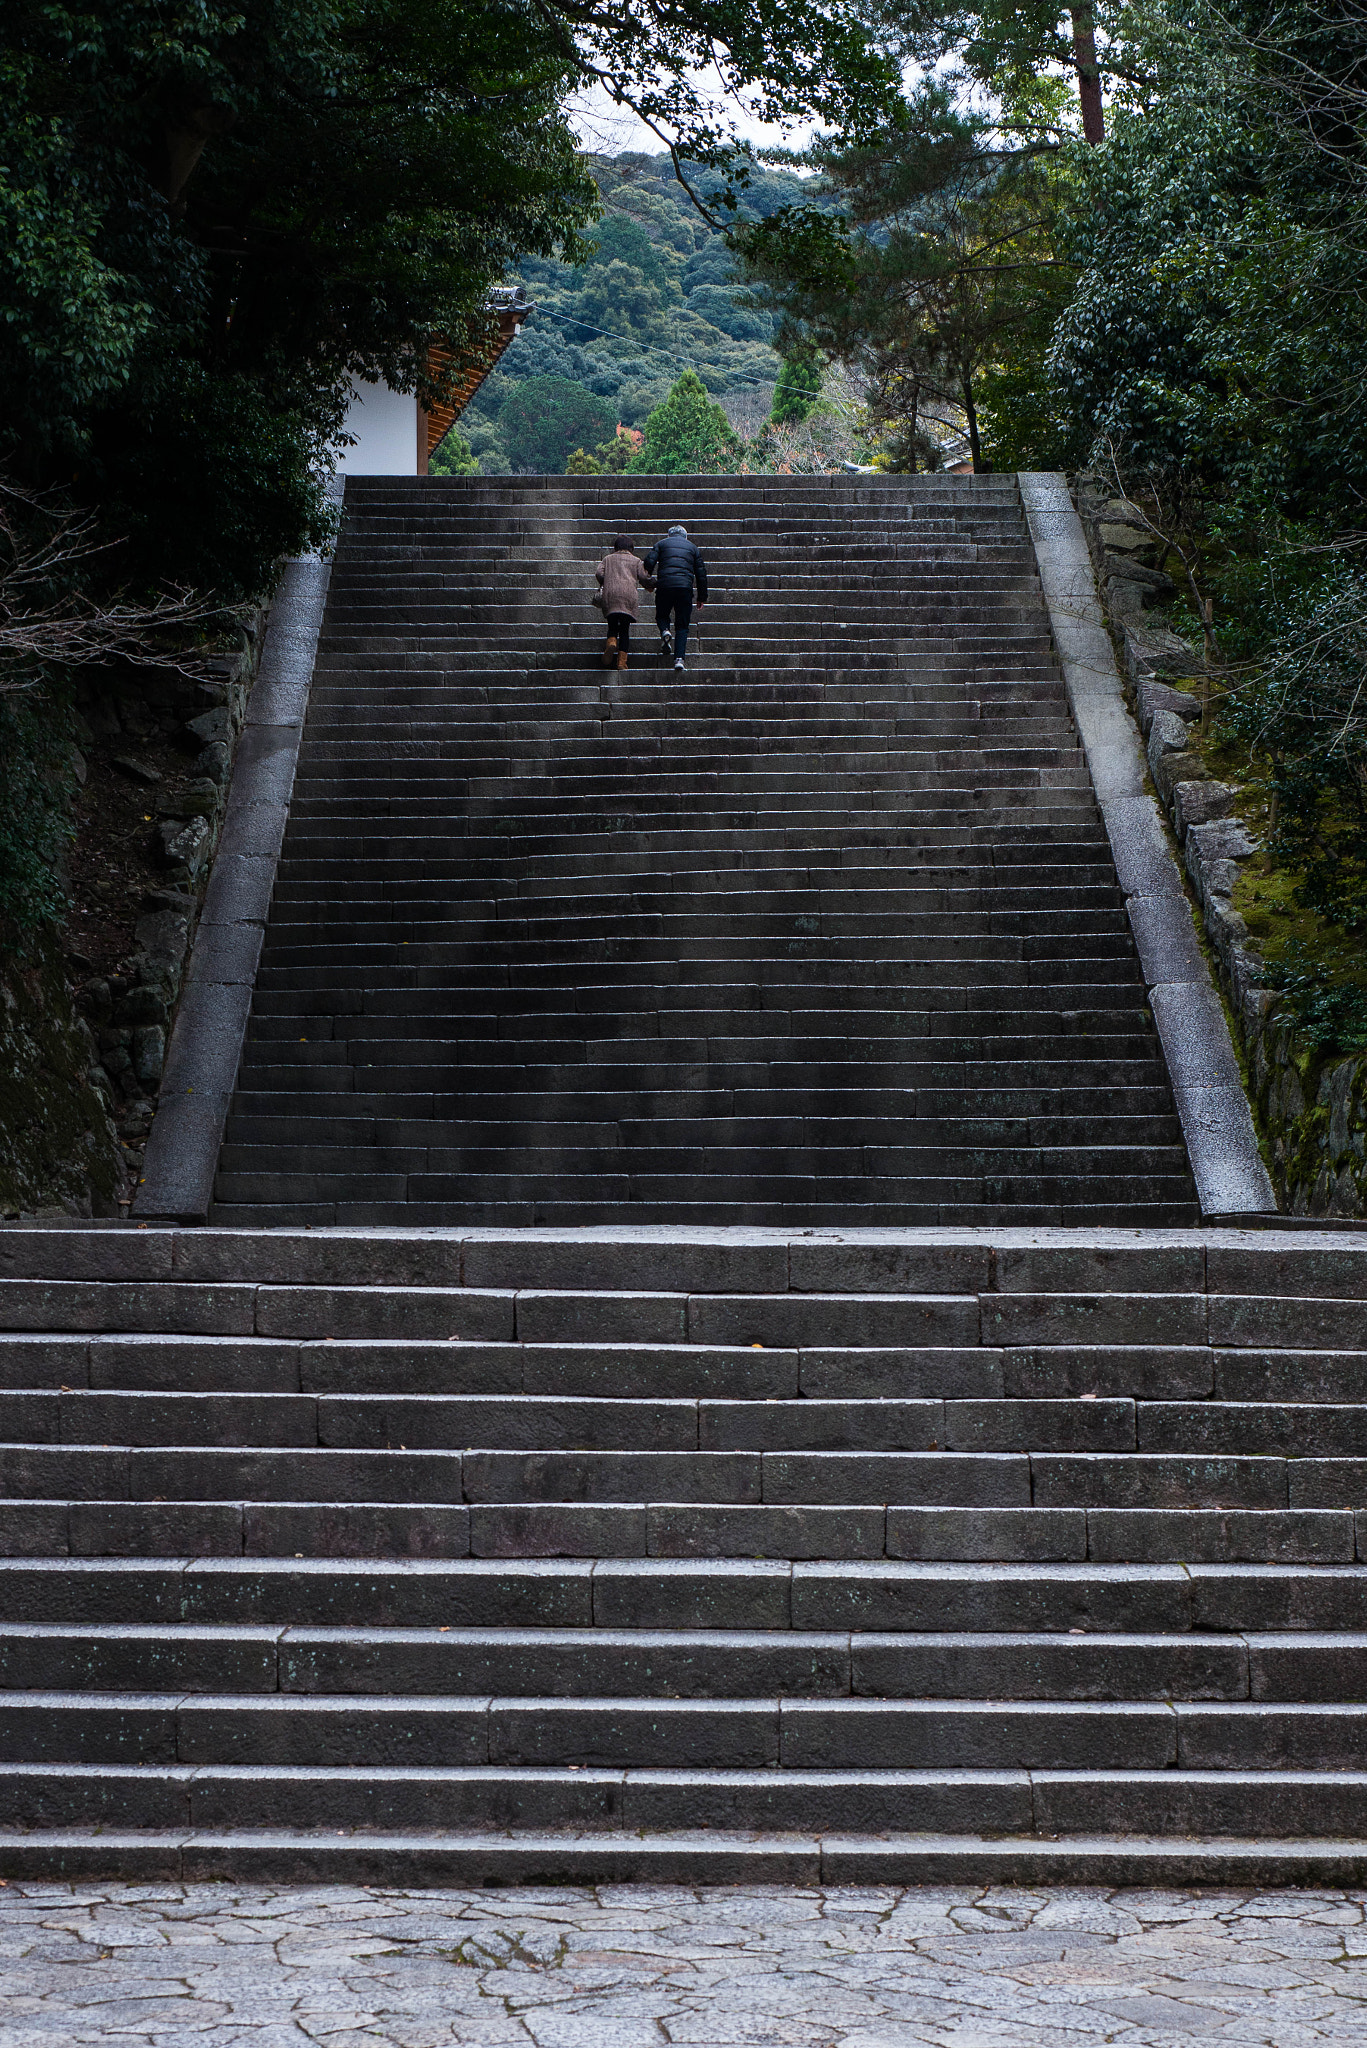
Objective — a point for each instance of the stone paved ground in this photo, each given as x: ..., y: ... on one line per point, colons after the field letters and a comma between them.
x: 633, y: 1966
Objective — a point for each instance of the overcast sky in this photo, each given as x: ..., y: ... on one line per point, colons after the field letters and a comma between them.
x: 608, y: 130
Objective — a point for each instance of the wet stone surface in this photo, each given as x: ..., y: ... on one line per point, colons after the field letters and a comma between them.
x: 631, y: 1966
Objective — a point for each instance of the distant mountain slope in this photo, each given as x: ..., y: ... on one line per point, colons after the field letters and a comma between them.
x: 659, y: 296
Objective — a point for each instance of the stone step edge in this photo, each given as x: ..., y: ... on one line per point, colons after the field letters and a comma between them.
x: 720, y: 1777
x: 617, y: 1531
x: 702, y: 1857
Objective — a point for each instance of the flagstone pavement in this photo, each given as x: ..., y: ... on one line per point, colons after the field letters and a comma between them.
x: 635, y: 1966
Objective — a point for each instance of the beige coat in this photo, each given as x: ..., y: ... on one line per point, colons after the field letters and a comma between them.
x: 622, y: 574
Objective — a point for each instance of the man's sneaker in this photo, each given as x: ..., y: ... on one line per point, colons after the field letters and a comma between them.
x: 679, y: 662
x: 666, y: 641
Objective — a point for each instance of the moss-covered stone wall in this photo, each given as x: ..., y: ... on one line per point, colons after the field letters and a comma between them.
x: 1310, y: 1106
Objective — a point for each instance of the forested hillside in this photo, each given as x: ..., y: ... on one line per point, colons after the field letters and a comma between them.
x: 661, y: 294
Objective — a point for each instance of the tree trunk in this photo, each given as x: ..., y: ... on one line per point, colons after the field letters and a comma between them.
x: 1088, y: 76
x: 971, y: 415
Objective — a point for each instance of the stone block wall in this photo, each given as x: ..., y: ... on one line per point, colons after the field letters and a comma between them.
x: 1311, y: 1108
x: 129, y: 1014
x: 59, y: 1151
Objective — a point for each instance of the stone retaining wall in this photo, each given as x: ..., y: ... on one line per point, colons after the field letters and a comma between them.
x: 1311, y: 1108
x: 130, y: 1014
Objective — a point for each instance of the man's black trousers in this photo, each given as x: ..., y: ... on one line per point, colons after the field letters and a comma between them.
x: 678, y: 605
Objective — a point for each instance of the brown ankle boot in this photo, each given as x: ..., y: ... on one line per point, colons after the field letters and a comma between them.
x: 622, y: 658
x: 610, y: 650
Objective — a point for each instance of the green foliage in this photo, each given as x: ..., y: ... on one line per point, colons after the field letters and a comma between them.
x: 662, y: 290
x: 218, y: 488
x: 941, y: 269
x: 210, y: 219
x: 1302, y: 711
x: 615, y: 455
x: 1021, y: 420
x: 609, y: 458
x: 834, y: 62
x: 71, y: 323
x: 545, y: 417
x: 1022, y: 51
x: 619, y: 299
x: 452, y: 457
x: 1215, y: 332
x: 1328, y: 1011
x: 799, y: 385
x: 617, y: 238
x: 687, y: 434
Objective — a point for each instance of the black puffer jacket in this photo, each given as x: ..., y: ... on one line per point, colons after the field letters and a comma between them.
x: 676, y: 564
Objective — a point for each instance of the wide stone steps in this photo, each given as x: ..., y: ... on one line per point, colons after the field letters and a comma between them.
x: 678, y: 1121
x: 541, y: 766
x: 430, y: 1800
x: 430, y: 1201
x: 549, y: 1421
x: 925, y: 912
x: 665, y: 1553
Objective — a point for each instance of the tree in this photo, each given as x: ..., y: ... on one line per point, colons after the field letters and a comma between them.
x: 1215, y: 329
x: 799, y: 384
x: 1009, y: 47
x: 833, y: 62
x: 617, y: 238
x: 941, y: 264
x: 619, y: 299
x: 688, y: 433
x: 211, y: 219
x: 452, y: 457
x: 542, y: 419
x: 610, y: 458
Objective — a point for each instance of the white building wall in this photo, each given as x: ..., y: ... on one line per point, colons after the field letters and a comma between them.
x: 385, y: 424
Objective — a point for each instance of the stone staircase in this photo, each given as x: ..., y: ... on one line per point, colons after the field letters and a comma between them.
x: 699, y: 1370
x: 683, y: 1554
x: 824, y: 930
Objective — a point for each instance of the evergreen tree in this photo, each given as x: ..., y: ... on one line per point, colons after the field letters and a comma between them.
x: 688, y: 433
x: 940, y: 268
x: 212, y: 217
x: 798, y: 387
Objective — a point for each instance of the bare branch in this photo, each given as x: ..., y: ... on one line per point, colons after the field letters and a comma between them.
x: 48, y: 621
